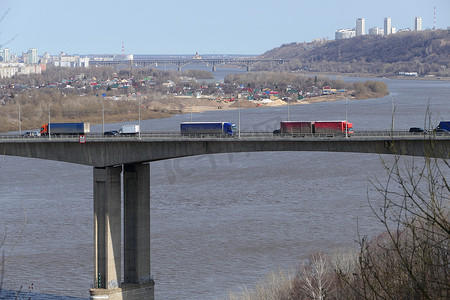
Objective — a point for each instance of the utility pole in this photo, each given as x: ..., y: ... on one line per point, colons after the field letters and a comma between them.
x: 393, y: 111
x: 239, y: 118
x: 139, y: 132
x: 289, y: 117
x: 103, y: 116
x: 20, y: 122
x: 434, y: 27
x: 192, y: 99
x: 48, y: 127
x: 346, y: 121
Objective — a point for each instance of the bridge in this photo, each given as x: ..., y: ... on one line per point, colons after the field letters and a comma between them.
x: 180, y: 62
x: 112, y: 157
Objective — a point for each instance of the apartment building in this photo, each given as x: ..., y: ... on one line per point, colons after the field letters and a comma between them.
x: 418, y: 23
x: 360, y: 26
x: 344, y: 34
x: 387, y: 26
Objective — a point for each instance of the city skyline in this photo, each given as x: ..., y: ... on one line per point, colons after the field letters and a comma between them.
x: 186, y: 27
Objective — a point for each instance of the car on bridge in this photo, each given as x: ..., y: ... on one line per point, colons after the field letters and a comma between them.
x: 417, y: 130
x: 31, y: 133
x: 111, y: 133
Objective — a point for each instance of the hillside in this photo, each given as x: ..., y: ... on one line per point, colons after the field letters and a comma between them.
x: 424, y: 52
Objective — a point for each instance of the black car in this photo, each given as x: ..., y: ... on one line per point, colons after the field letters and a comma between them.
x: 111, y: 133
x: 416, y: 129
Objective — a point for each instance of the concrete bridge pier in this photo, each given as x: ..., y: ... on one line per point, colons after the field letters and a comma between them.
x: 137, y: 282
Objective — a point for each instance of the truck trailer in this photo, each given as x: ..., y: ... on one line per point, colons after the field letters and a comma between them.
x: 130, y: 129
x: 333, y: 127
x: 315, y: 127
x: 221, y: 128
x: 297, y: 127
x: 66, y: 128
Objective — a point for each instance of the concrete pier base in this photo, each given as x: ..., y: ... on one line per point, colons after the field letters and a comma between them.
x: 127, y: 291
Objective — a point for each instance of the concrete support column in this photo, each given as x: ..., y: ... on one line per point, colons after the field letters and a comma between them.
x: 136, y: 191
x: 107, y: 227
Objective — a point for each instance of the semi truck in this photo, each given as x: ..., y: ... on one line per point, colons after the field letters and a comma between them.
x: 130, y: 129
x: 315, y: 127
x: 444, y: 125
x: 65, y: 128
x: 221, y: 128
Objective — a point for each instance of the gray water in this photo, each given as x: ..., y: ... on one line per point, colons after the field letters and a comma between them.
x: 218, y: 222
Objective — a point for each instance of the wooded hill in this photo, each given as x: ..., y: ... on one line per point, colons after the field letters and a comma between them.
x: 424, y: 52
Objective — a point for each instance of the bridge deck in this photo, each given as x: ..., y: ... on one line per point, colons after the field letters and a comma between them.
x: 100, y: 151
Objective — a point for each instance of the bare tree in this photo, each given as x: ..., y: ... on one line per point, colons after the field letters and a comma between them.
x: 11, y: 39
x: 5, y: 257
x: 315, y: 277
x: 410, y: 260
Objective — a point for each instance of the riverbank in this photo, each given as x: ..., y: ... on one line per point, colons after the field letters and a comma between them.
x: 372, y: 75
x: 115, y: 112
x: 199, y: 106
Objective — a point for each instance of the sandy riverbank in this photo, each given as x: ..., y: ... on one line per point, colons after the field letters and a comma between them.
x: 199, y: 106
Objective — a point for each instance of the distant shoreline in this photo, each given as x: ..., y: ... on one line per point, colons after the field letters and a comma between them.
x: 375, y: 76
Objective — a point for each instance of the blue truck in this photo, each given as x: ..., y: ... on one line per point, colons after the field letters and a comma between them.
x: 444, y: 126
x: 65, y: 128
x: 215, y: 128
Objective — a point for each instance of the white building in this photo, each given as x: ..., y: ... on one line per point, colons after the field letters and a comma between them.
x: 376, y: 30
x: 71, y: 61
x: 32, y: 57
x: 46, y: 58
x: 344, y: 34
x: 418, y: 24
x: 8, y: 70
x: 5, y: 55
x: 360, y: 26
x: 387, y: 26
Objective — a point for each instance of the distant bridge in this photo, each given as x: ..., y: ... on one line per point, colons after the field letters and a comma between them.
x: 244, y: 62
x: 121, y: 166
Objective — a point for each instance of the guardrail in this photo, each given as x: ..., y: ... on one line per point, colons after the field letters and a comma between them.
x: 242, y: 135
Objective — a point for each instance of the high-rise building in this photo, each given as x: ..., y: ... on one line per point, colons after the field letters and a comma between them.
x: 360, y: 26
x: 387, y: 26
x: 6, y: 55
x: 418, y: 24
x: 32, y: 57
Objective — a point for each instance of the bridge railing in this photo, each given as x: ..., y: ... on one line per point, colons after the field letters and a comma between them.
x: 243, y: 135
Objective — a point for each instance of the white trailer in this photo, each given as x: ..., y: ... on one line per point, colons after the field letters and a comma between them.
x: 130, y: 129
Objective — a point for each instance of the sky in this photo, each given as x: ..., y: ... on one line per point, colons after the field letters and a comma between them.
x: 205, y: 26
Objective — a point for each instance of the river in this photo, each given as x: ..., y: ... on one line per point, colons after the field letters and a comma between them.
x: 218, y: 222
